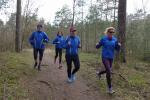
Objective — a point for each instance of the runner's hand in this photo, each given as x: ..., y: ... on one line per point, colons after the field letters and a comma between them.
x: 97, y: 43
x: 119, y: 44
x: 69, y: 43
x: 79, y: 46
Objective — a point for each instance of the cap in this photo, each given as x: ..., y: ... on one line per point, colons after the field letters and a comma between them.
x: 72, y: 29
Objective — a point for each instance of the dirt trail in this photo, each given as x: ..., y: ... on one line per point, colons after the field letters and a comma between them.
x: 51, y: 84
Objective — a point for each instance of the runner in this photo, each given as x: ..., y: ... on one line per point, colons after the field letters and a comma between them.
x: 59, y: 41
x: 72, y: 44
x: 109, y: 44
x: 37, y: 40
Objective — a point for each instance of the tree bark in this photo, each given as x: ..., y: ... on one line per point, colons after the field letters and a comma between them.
x: 18, y: 27
x: 82, y: 31
x: 74, y: 1
x: 122, y: 28
x: 114, y: 20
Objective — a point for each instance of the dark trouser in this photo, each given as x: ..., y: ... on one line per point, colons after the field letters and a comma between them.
x: 108, y: 65
x: 75, y: 60
x: 58, y: 51
x: 36, y: 52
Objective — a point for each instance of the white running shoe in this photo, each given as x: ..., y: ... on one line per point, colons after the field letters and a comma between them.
x: 110, y: 91
x: 69, y: 80
x: 73, y: 77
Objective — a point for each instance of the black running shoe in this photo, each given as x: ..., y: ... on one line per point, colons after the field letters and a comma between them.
x: 35, y: 64
x: 39, y: 68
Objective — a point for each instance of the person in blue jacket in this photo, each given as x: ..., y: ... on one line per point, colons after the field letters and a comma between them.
x: 72, y: 44
x: 37, y: 40
x: 58, y: 41
x: 109, y: 44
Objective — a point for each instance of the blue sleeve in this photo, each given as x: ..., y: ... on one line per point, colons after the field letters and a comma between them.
x: 55, y: 40
x: 65, y: 45
x: 31, y: 39
x: 63, y: 42
x: 46, y: 39
x: 99, y: 44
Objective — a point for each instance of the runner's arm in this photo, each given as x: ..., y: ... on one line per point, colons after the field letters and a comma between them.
x: 31, y: 39
x: 46, y: 39
x: 99, y: 44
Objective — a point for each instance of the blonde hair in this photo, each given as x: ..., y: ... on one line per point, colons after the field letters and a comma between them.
x: 108, y: 29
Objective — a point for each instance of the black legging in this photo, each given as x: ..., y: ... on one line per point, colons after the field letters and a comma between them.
x: 75, y: 60
x: 108, y: 65
x: 58, y: 51
x: 35, y: 53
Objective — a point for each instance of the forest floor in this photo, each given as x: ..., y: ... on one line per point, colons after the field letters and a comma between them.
x: 19, y: 81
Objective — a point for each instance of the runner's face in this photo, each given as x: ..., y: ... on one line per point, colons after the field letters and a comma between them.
x: 59, y: 33
x: 72, y: 33
x: 110, y: 34
x: 39, y: 28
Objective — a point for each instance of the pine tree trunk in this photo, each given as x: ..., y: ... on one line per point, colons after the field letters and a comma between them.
x: 82, y: 30
x: 122, y: 28
x: 18, y: 27
x: 74, y: 1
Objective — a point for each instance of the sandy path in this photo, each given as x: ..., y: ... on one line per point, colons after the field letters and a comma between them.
x: 51, y: 84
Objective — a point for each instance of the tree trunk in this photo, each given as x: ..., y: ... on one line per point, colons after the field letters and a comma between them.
x: 74, y: 1
x: 95, y: 38
x: 114, y: 20
x: 122, y: 28
x: 18, y: 27
x: 82, y: 30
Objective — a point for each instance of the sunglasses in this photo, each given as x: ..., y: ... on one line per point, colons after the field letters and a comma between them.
x: 39, y: 26
x: 111, y: 31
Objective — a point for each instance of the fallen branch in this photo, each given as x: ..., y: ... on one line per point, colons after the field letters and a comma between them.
x: 46, y: 83
x: 121, y: 76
